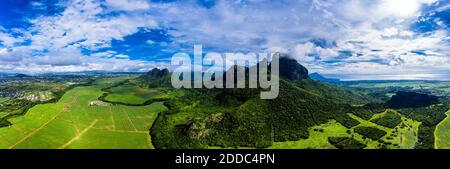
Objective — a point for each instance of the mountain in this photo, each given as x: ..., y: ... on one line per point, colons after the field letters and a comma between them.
x: 291, y: 69
x: 155, y: 78
x: 3, y: 75
x: 296, y: 73
x: 22, y: 75
x: 198, y: 118
x: 157, y: 73
x: 319, y: 77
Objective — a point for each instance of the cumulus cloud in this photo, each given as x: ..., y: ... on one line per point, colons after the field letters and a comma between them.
x: 128, y: 5
x: 122, y: 56
x: 309, y: 52
x: 60, y: 57
x: 302, y: 52
x: 9, y: 40
x: 107, y: 54
x: 80, y: 25
x: 373, y: 31
x: 13, y: 55
x: 57, y: 41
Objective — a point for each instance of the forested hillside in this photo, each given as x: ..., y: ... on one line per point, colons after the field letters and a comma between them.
x: 238, y: 118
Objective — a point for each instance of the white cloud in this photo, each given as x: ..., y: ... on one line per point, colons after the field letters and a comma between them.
x: 80, y: 26
x: 307, y: 52
x: 9, y: 40
x: 83, y: 24
x: 373, y: 11
x: 122, y: 56
x: 128, y: 5
x: 104, y: 54
x: 13, y: 54
x: 377, y: 32
x: 301, y: 52
x: 117, y: 66
x: 60, y: 57
x: 82, y: 63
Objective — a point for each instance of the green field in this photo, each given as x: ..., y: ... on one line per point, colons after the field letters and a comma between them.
x: 3, y: 99
x: 72, y: 123
x: 414, y: 85
x: 131, y: 94
x: 442, y: 133
x: 403, y: 136
x: 317, y: 139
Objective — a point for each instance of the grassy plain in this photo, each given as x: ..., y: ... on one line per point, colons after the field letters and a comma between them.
x: 415, y: 85
x: 2, y: 99
x: 131, y: 94
x: 72, y: 123
x: 442, y: 134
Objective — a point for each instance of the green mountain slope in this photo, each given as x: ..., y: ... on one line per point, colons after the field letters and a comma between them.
x: 238, y: 118
x: 155, y: 78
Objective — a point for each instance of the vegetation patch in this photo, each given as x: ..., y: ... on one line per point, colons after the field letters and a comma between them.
x: 403, y: 99
x: 442, y: 133
x: 430, y: 117
x: 4, y: 122
x: 346, y: 143
x: 368, y: 110
x: 318, y: 137
x: 3, y: 99
x: 389, y: 119
x: 370, y: 132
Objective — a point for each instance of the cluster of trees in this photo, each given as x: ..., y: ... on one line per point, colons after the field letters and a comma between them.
x: 368, y: 110
x: 370, y: 132
x: 345, y: 143
x: 168, y: 133
x: 4, y: 122
x: 155, y: 78
x: 390, y: 119
x: 403, y: 99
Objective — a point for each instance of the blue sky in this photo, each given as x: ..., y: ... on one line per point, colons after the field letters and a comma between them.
x: 350, y: 39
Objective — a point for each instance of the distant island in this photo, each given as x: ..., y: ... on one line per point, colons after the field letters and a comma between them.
x: 22, y: 75
x: 319, y: 77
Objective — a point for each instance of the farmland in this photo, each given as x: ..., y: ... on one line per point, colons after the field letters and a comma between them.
x: 3, y: 100
x: 72, y: 123
x: 385, y: 89
x: 414, y: 85
x: 131, y: 94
